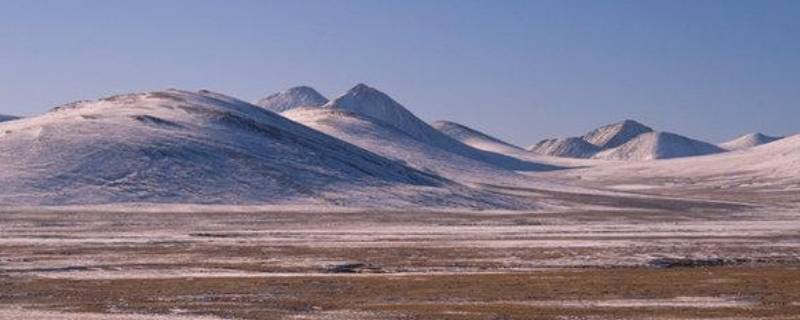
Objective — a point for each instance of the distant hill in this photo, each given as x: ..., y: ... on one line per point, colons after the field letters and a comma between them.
x: 748, y: 141
x: 295, y: 97
x: 659, y: 145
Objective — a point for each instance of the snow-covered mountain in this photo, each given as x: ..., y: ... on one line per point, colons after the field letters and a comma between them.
x: 184, y: 147
x: 371, y: 103
x: 658, y: 145
x: 565, y: 147
x: 4, y: 117
x: 748, y: 141
x: 301, y: 96
x: 773, y: 166
x: 475, y: 138
x: 616, y: 134
x: 627, y: 140
x: 392, y: 143
x: 586, y: 146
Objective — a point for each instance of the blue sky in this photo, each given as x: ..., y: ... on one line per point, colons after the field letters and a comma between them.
x: 521, y: 70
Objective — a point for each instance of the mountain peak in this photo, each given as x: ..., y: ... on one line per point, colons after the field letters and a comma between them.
x: 748, y: 141
x: 616, y: 134
x: 371, y: 102
x: 659, y: 145
x: 295, y: 97
x: 572, y: 147
x: 362, y: 87
x: 363, y: 91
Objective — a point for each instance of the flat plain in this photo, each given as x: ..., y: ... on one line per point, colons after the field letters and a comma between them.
x: 615, y: 257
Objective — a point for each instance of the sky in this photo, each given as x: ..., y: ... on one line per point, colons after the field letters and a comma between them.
x: 519, y: 70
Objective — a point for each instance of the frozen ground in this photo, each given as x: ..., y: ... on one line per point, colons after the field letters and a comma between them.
x: 616, y: 256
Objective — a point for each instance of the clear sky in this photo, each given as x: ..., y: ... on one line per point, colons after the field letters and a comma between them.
x: 521, y: 70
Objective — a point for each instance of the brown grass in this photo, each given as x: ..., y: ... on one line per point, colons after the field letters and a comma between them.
x: 462, y: 296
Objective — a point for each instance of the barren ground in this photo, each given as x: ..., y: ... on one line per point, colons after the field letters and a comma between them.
x: 618, y: 257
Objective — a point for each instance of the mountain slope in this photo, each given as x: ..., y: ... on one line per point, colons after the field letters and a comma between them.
x: 565, y: 147
x: 292, y: 98
x: 616, y: 134
x: 748, y: 141
x: 182, y: 147
x: 475, y: 138
x: 392, y: 143
x: 659, y: 145
x: 371, y: 103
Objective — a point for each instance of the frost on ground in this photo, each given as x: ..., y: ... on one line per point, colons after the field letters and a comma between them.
x: 662, y: 256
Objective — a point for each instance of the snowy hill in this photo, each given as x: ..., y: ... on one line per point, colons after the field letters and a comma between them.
x: 183, y: 147
x: 616, y: 134
x: 371, y: 103
x: 586, y: 146
x: 475, y: 138
x: 659, y: 145
x: 627, y: 140
x: 774, y: 166
x: 565, y: 147
x: 301, y: 96
x: 748, y: 141
x: 392, y: 143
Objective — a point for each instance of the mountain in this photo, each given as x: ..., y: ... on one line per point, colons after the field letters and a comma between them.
x: 4, y: 117
x: 475, y: 138
x: 371, y: 103
x: 659, y: 145
x: 183, y: 147
x: 292, y: 98
x: 770, y: 167
x: 748, y: 141
x: 392, y: 143
x: 616, y: 134
x: 565, y: 147
x: 603, y: 138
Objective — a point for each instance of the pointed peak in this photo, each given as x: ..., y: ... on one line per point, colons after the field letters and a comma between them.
x: 616, y: 134
x: 630, y: 123
x: 301, y: 90
x: 362, y: 96
x: 748, y: 141
x: 294, y: 97
x: 362, y: 89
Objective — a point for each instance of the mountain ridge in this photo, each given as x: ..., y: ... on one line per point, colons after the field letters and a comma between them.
x: 474, y: 138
